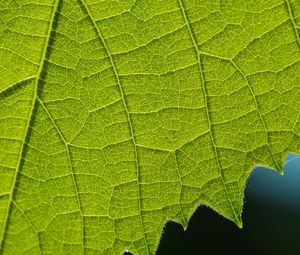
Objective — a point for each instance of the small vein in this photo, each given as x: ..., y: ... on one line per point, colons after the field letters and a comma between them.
x: 17, y: 84
x: 70, y: 164
x: 20, y: 56
x: 258, y: 110
x: 82, y: 2
x: 181, y: 185
x: 293, y: 21
x: 145, y: 45
x: 30, y: 223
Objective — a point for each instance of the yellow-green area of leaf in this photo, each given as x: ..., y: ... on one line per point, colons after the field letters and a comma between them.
x: 116, y: 116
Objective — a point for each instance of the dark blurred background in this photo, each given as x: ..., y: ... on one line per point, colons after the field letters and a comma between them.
x: 271, y: 220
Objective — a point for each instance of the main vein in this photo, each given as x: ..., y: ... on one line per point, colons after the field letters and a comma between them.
x: 206, y: 102
x: 126, y: 109
x: 30, y: 118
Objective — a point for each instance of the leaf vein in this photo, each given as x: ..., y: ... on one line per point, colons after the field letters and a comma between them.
x: 82, y: 2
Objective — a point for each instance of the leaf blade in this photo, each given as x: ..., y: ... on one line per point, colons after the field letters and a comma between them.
x: 130, y: 133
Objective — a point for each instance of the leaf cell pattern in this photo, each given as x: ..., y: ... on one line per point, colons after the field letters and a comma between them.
x: 116, y: 116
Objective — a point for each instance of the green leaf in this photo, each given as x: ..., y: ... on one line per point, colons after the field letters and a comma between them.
x: 116, y: 116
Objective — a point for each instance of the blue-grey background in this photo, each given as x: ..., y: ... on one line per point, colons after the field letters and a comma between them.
x: 271, y: 220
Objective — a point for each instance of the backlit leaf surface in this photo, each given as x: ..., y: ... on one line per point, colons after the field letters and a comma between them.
x: 116, y: 116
